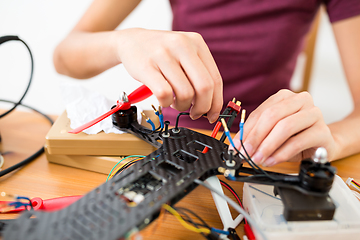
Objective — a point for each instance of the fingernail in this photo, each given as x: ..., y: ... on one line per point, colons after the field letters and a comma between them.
x: 213, y: 117
x: 248, y: 147
x: 258, y: 156
x: 195, y: 117
x: 271, y: 161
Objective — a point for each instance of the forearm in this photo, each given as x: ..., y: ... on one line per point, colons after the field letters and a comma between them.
x: 346, y: 134
x: 86, y: 54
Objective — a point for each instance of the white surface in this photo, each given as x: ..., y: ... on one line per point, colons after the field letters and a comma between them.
x: 83, y: 106
x: 222, y: 206
x: 267, y: 212
x: 43, y: 24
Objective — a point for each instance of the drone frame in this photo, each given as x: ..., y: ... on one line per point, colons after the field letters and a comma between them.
x: 134, y: 198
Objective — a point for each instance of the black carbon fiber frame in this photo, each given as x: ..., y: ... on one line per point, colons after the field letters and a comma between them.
x: 105, y: 213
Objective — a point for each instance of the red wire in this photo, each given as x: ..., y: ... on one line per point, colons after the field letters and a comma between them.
x: 355, y: 183
x: 216, y: 129
x: 232, y: 192
x: 213, y: 135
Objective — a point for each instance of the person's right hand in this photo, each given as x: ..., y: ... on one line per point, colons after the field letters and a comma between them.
x: 177, y: 67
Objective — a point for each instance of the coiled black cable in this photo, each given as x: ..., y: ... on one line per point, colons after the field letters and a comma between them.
x: 40, y: 151
x: 16, y: 38
x: 33, y: 156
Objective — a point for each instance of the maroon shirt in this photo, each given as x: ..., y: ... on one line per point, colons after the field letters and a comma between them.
x: 255, y: 43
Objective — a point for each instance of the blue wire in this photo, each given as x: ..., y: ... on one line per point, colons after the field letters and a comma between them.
x: 137, y: 156
x: 231, y: 177
x: 21, y: 197
x: 220, y: 231
x: 241, y: 131
x: 151, y: 123
x: 227, y: 133
x: 18, y: 204
x: 161, y: 118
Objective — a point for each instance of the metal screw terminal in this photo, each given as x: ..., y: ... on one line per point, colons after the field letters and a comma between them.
x: 166, y: 131
x: 231, y: 162
x: 320, y: 155
x: 176, y: 130
x: 124, y: 97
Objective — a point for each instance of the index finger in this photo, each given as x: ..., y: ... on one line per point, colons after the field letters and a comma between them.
x: 206, y: 79
x: 255, y: 115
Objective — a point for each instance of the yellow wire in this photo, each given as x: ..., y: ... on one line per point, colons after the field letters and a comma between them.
x: 355, y: 186
x: 134, y: 160
x: 182, y: 221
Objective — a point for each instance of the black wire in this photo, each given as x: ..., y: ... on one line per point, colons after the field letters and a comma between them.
x: 231, y: 189
x: 194, y: 214
x: 249, y: 158
x: 252, y: 162
x: 30, y: 80
x: 147, y: 131
x: 190, y: 220
x: 32, y: 157
x: 258, y: 169
x: 249, y: 161
x: 177, y: 118
x: 187, y: 218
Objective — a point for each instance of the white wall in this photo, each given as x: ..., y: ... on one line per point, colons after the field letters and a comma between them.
x: 328, y: 85
x: 42, y: 24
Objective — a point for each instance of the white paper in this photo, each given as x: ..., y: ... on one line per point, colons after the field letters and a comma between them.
x: 83, y: 105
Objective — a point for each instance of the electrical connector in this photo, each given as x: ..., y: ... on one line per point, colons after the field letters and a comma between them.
x: 227, y: 133
x: 148, y: 120
x: 241, y: 125
x: 160, y: 115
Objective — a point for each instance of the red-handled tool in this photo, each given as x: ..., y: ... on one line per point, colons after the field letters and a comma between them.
x: 137, y: 95
x: 51, y: 204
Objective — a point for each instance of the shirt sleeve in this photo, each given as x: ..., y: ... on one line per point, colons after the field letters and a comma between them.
x: 342, y: 9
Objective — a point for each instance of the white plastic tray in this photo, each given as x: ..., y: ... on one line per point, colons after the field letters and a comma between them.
x: 267, y: 211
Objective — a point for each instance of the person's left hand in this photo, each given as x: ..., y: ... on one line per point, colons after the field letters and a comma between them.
x: 286, y: 127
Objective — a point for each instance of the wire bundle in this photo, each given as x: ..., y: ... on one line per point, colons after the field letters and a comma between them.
x: 353, y: 184
x: 124, y: 166
x: 247, y: 158
x: 181, y: 213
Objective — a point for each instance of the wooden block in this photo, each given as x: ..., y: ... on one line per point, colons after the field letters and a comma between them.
x: 60, y: 142
x: 100, y: 164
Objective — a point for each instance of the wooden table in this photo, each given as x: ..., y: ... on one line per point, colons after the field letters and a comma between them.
x: 23, y: 133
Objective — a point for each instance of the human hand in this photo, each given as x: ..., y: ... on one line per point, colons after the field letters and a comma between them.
x: 177, y: 67
x: 286, y: 127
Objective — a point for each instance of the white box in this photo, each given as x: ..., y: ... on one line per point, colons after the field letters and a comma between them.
x: 267, y: 212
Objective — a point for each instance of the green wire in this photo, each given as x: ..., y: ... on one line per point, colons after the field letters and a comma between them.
x: 137, y: 156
